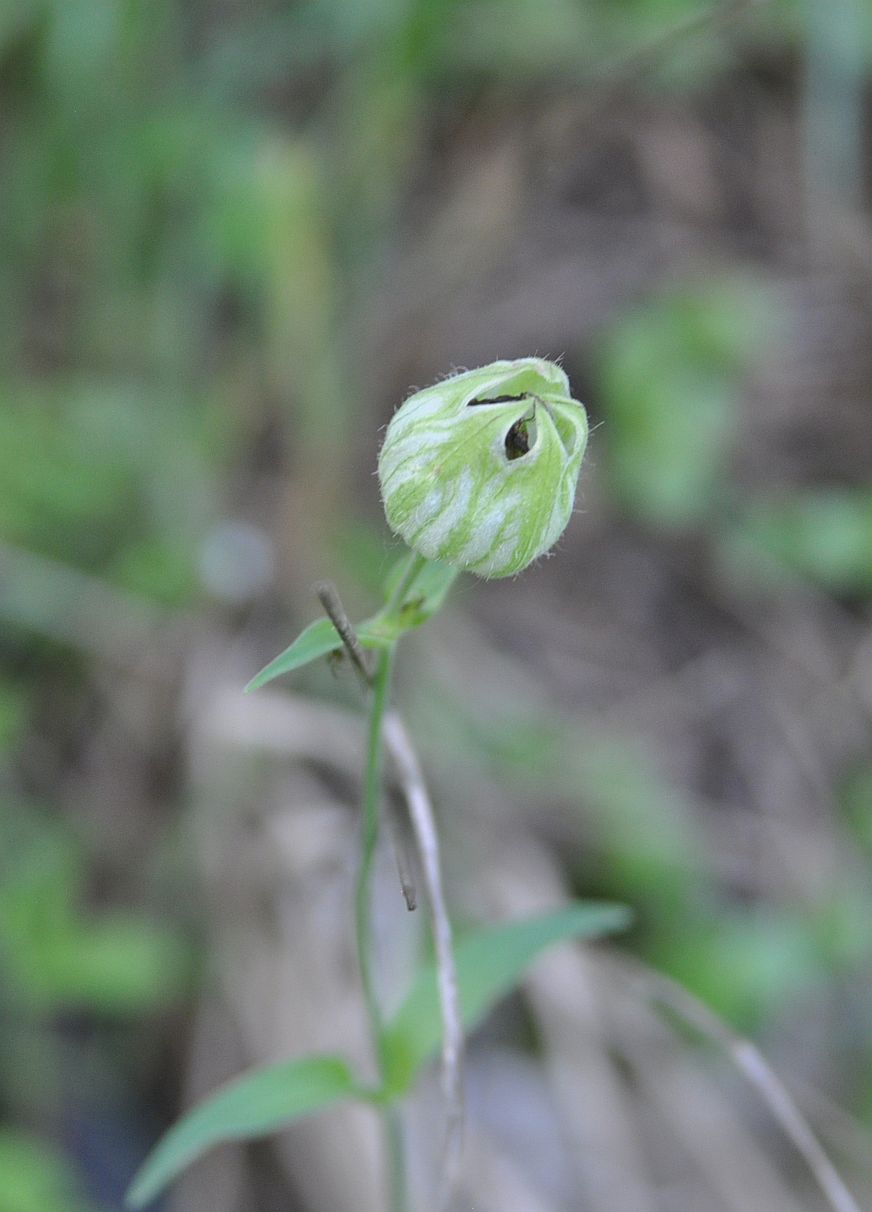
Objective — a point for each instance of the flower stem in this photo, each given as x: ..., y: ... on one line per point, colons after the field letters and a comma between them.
x: 416, y: 563
x: 363, y: 914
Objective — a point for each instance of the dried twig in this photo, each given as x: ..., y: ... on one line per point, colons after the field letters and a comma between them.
x: 402, y: 856
x: 421, y: 814
x: 750, y: 1062
x: 328, y: 596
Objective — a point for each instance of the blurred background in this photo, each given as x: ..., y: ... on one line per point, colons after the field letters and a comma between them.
x: 234, y: 235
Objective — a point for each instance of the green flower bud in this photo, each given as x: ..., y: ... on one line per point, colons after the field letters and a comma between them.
x: 480, y: 470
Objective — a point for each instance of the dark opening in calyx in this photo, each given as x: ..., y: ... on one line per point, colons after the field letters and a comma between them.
x: 521, y: 437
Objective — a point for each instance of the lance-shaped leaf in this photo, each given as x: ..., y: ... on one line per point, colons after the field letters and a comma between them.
x: 255, y: 1104
x: 423, y: 598
x: 489, y: 963
x: 315, y: 641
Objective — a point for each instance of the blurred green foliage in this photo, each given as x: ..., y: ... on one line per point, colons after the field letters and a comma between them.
x: 54, y: 955
x: 857, y: 800
x: 37, y: 1178
x: 820, y: 535
x: 748, y: 962
x: 671, y: 381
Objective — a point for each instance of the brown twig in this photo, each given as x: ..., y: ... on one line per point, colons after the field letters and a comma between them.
x: 402, y: 855
x: 328, y: 596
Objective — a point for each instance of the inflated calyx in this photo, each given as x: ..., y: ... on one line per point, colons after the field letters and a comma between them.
x: 480, y: 470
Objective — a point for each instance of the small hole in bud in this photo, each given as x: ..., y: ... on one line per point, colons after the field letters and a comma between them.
x: 521, y: 438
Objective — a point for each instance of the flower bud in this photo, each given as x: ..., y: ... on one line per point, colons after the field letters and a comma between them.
x: 480, y: 470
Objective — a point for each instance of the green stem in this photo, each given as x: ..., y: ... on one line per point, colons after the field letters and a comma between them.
x: 363, y: 912
x: 407, y: 580
x: 399, y: 1192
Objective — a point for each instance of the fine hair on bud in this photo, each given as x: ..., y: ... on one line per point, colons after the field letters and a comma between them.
x: 480, y: 470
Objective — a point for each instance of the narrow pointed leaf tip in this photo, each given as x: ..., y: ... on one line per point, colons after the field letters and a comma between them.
x: 255, y: 1104
x: 490, y: 963
x: 315, y: 641
x: 480, y: 470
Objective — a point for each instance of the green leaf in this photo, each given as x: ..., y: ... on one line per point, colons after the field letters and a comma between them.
x: 422, y: 599
x: 255, y: 1104
x: 489, y: 963
x: 317, y: 640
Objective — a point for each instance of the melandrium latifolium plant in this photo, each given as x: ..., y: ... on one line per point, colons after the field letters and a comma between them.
x: 478, y: 473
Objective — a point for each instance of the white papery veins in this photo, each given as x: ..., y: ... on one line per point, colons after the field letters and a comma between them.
x: 480, y: 470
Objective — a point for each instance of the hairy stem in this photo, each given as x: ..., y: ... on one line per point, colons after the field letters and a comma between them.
x: 415, y: 565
